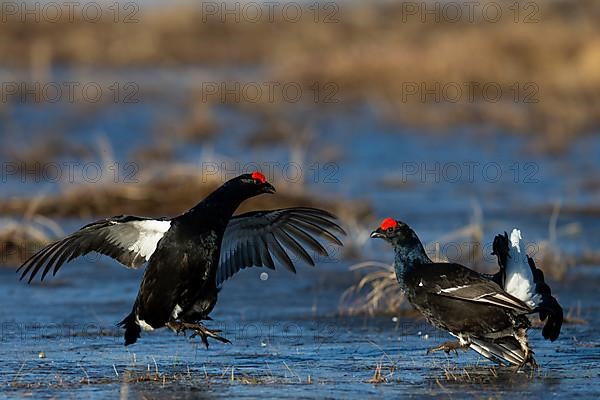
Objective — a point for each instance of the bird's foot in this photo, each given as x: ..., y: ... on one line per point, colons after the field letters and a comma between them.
x: 448, y: 347
x: 533, y: 365
x: 199, y: 330
x: 528, y: 361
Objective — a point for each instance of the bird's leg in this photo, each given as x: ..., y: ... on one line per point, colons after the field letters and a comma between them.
x: 462, y: 343
x: 521, y: 336
x: 199, y: 330
x: 448, y: 347
x: 175, y: 326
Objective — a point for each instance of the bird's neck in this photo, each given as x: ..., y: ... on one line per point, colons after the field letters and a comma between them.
x: 406, y: 259
x: 219, y: 206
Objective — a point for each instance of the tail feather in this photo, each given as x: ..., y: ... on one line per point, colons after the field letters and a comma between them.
x: 542, y: 300
x: 505, y: 350
x: 547, y: 306
x: 132, y: 329
x: 500, y: 249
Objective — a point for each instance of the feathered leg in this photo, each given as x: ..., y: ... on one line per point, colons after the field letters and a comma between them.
x: 521, y: 336
x: 448, y: 347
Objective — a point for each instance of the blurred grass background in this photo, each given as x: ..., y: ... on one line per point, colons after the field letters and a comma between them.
x: 177, y: 65
x: 370, y: 51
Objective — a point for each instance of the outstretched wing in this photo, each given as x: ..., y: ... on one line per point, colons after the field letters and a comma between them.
x: 519, y: 276
x: 128, y: 239
x: 254, y: 238
x: 459, y: 282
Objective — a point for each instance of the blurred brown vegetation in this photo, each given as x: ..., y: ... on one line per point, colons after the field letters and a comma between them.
x: 370, y: 52
x: 169, y: 193
x: 156, y: 192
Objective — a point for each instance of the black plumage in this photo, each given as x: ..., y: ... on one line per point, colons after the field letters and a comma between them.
x: 473, y: 307
x: 189, y: 256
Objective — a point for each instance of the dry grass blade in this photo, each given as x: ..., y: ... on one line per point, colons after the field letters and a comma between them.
x: 382, y: 291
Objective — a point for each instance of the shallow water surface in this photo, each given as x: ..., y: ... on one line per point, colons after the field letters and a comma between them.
x: 59, y: 339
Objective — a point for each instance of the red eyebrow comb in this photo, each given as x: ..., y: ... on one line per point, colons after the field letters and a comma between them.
x: 388, y: 223
x: 259, y: 176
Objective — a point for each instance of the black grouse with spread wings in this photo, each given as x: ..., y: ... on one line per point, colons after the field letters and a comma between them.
x: 189, y: 256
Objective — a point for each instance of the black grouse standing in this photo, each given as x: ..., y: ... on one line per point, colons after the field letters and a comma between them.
x: 473, y: 307
x: 189, y: 256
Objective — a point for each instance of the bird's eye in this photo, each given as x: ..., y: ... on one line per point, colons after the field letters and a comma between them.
x: 390, y: 229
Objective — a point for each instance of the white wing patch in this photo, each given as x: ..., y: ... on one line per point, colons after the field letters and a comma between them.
x: 497, y: 298
x: 494, y: 298
x: 519, y: 278
x: 452, y: 289
x: 150, y: 232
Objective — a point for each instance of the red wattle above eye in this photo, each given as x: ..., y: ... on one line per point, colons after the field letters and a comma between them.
x: 259, y: 177
x: 388, y: 223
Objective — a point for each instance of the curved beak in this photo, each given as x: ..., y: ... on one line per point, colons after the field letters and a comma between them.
x: 377, y: 233
x: 269, y: 188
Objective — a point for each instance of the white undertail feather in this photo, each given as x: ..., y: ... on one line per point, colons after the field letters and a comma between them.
x: 515, y: 237
x: 519, y: 278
